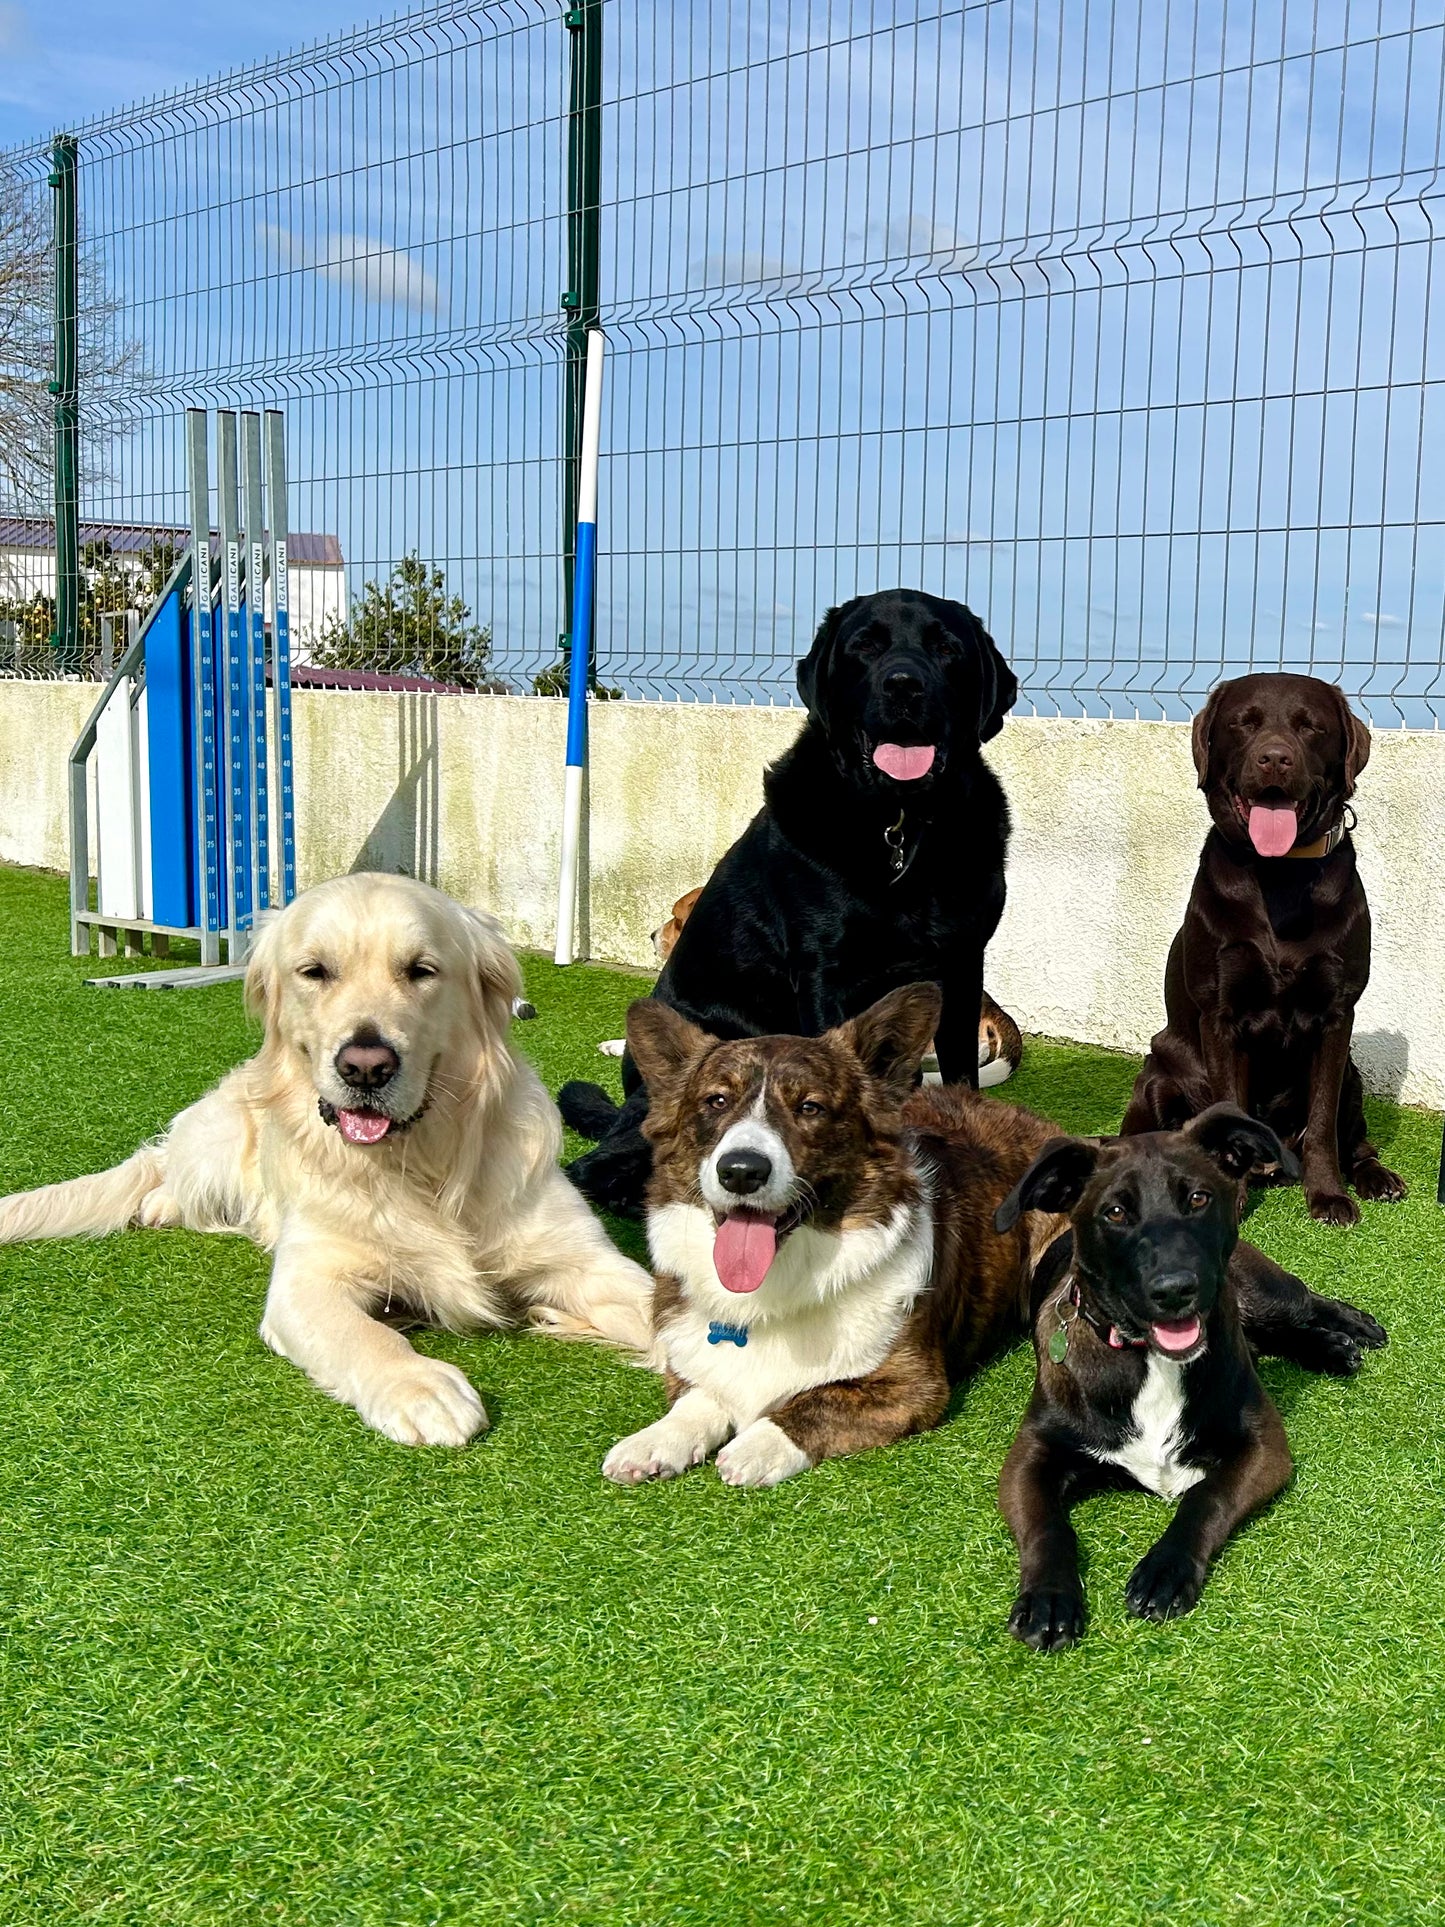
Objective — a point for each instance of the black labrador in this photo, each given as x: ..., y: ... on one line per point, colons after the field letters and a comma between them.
x: 877, y: 860
x: 1146, y: 1317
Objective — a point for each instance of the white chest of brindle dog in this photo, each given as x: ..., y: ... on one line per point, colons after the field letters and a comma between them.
x: 836, y: 1303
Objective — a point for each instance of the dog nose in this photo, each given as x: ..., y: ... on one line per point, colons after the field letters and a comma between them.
x: 1275, y: 760
x: 366, y: 1067
x: 903, y: 683
x: 742, y: 1172
x: 1174, y: 1293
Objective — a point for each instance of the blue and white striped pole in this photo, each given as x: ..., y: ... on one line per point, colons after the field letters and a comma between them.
x: 584, y: 577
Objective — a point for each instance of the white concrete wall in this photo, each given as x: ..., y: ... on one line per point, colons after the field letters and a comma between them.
x: 466, y: 791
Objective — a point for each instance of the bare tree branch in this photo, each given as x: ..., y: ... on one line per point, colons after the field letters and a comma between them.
x: 27, y: 349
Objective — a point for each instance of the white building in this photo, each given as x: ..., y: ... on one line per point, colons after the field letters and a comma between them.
x: 317, y: 571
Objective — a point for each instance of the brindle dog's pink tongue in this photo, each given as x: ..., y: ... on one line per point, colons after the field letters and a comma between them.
x: 1273, y: 832
x: 745, y: 1246
x: 904, y: 762
x: 363, y: 1127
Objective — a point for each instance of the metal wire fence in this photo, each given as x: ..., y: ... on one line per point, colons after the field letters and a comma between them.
x: 1111, y: 319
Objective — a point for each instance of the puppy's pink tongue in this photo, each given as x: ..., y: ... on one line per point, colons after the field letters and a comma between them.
x: 362, y: 1127
x: 745, y: 1246
x: 1176, y: 1335
x: 1273, y: 832
x: 904, y: 762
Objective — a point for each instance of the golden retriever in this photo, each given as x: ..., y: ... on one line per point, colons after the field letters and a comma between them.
x: 390, y: 1148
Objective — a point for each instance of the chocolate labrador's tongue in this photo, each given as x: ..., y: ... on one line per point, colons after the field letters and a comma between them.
x: 1176, y: 1335
x: 1273, y: 832
x: 904, y: 762
x: 745, y: 1246
x: 362, y: 1127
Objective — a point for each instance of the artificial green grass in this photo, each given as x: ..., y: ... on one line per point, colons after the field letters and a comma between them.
x: 258, y: 1664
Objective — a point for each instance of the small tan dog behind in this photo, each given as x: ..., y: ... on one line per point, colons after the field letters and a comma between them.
x: 1000, y: 1044
x: 390, y: 1148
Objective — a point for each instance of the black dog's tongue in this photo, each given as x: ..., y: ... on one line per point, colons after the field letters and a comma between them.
x: 904, y: 762
x: 1176, y: 1334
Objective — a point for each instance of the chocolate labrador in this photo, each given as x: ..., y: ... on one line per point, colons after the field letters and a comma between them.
x: 1145, y: 1377
x: 1263, y: 978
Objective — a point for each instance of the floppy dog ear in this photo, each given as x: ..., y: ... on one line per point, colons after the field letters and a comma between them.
x: 1357, y: 742
x: 811, y: 667
x: 662, y: 1043
x: 1239, y: 1143
x: 263, y: 974
x: 1201, y: 731
x: 1053, y: 1182
x: 891, y: 1037
x: 496, y: 974
x: 1000, y: 686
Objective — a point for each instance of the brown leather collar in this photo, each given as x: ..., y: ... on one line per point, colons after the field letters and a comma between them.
x: 1327, y: 844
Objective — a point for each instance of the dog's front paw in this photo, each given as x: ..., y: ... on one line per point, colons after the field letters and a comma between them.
x: 1375, y: 1184
x: 658, y: 1451
x: 1333, y: 1207
x: 761, y: 1454
x: 1337, y: 1338
x: 1164, y: 1584
x: 427, y: 1402
x: 158, y: 1210
x: 1048, y: 1620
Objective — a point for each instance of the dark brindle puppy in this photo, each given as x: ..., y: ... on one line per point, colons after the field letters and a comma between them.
x: 876, y: 859
x: 823, y: 1245
x: 1145, y: 1376
x: 1263, y: 978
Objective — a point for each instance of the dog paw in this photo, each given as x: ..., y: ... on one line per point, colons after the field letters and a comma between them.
x: 1333, y: 1207
x: 1164, y: 1584
x: 158, y: 1210
x: 1338, y: 1337
x: 1047, y: 1621
x: 658, y: 1451
x: 428, y: 1402
x: 613, y: 1047
x: 1375, y: 1184
x: 761, y: 1454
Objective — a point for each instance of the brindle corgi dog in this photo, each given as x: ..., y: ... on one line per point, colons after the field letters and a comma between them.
x: 825, y: 1258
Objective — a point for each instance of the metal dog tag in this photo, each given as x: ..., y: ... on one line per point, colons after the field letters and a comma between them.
x: 1059, y: 1345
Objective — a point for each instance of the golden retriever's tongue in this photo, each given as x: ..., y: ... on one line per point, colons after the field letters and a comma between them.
x: 904, y: 762
x: 1176, y: 1334
x: 362, y: 1127
x: 745, y: 1246
x: 1273, y: 832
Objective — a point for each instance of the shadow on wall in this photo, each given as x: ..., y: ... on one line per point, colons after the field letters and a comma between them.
x: 405, y: 839
x: 1383, y: 1057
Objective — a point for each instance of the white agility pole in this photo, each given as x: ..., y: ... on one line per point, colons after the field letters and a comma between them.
x: 584, y: 577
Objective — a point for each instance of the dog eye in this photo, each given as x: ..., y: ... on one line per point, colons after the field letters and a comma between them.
x: 1116, y: 1214
x: 716, y: 1100
x: 315, y: 973
x: 810, y: 1108
x: 1199, y: 1199
x: 420, y: 970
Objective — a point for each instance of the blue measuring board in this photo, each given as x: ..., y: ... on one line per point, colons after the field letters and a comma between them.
x: 172, y: 777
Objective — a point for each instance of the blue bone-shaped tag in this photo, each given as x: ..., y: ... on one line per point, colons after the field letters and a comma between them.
x: 718, y: 1334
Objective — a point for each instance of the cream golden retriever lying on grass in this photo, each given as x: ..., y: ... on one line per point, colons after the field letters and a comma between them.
x: 390, y: 1148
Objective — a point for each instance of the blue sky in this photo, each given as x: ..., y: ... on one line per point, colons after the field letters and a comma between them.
x: 1119, y: 322
x: 72, y: 59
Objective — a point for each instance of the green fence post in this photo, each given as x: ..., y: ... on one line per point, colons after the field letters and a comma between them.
x: 65, y: 642
x: 580, y: 298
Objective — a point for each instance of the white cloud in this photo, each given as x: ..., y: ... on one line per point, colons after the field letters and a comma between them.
x: 388, y: 276
x: 1381, y: 620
